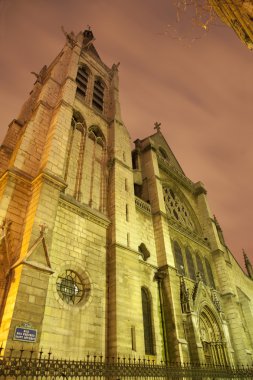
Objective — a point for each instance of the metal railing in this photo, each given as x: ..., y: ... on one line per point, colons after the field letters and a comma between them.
x: 21, y: 365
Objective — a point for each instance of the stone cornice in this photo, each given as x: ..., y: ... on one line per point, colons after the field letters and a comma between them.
x: 17, y: 175
x: 176, y: 174
x: 128, y: 249
x: 84, y: 211
x: 172, y: 223
x: 52, y: 180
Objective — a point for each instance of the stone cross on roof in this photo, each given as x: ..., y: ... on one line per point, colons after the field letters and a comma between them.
x: 157, y: 126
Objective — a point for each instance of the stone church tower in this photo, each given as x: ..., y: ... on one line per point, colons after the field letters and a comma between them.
x: 104, y: 249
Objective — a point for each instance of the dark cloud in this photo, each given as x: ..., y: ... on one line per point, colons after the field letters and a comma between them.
x: 199, y: 85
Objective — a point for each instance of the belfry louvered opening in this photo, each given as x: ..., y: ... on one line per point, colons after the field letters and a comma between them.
x: 82, y: 81
x: 98, y: 95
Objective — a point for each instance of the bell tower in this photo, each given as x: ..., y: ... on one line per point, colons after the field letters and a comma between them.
x: 55, y: 163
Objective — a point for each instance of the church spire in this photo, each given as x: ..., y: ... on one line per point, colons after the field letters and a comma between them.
x: 248, y: 265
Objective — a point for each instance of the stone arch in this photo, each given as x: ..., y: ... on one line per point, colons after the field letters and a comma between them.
x: 212, y: 337
x: 97, y: 135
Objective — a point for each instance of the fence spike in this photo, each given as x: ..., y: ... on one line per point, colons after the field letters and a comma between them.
x: 41, y: 352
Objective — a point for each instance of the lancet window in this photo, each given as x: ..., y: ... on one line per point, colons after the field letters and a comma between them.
x: 147, y: 322
x: 200, y: 268
x: 209, y: 274
x: 179, y: 261
x: 190, y: 264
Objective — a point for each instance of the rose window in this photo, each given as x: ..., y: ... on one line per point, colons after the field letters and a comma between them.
x: 177, y: 210
x: 70, y: 287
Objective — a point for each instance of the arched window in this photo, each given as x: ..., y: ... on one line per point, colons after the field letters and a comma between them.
x: 163, y: 153
x: 98, y: 95
x: 179, y: 258
x: 200, y: 268
x: 190, y: 264
x: 209, y: 274
x: 147, y: 322
x: 82, y: 81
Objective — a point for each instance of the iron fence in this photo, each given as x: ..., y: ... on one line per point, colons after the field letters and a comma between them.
x: 26, y: 365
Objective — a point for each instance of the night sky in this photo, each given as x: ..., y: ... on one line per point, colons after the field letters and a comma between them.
x: 198, y: 84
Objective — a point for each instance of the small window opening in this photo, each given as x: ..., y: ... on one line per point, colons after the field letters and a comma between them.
x: 127, y: 213
x: 133, y: 338
x: 135, y: 162
x: 128, y: 239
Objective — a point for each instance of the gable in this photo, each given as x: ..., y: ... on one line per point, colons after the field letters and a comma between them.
x: 163, y: 150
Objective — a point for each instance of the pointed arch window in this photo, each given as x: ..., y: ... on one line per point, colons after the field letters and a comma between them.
x: 98, y: 95
x: 82, y: 81
x: 147, y: 322
x: 179, y: 258
x: 209, y: 274
x: 200, y: 268
x: 190, y: 264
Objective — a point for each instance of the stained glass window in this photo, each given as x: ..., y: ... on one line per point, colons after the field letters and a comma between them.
x: 209, y: 274
x: 190, y: 264
x: 179, y: 258
x: 70, y: 287
x: 201, y: 268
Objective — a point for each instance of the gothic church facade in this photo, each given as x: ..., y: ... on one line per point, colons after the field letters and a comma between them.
x: 104, y: 249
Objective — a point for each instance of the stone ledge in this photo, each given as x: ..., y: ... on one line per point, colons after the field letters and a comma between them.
x: 83, y: 210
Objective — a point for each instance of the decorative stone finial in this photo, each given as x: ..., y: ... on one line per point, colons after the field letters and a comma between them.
x: 43, y: 228
x: 70, y: 37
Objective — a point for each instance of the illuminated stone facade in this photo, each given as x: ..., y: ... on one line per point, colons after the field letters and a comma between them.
x: 104, y: 249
